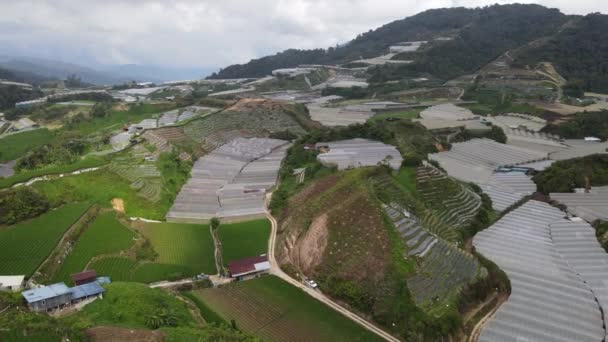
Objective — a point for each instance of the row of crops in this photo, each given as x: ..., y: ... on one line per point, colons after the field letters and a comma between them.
x: 24, y: 246
x: 105, y: 236
x: 452, y: 203
x: 183, y: 250
x: 141, y: 171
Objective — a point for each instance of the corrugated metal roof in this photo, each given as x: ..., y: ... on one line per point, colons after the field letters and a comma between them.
x: 86, y: 290
x: 43, y: 293
x: 550, y: 299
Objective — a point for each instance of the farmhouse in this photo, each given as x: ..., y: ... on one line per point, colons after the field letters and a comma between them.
x: 11, y: 283
x: 58, y: 295
x: 86, y: 291
x: 48, y: 297
x: 249, y: 267
x: 84, y: 277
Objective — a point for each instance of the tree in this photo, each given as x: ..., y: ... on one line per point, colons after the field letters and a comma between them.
x: 100, y: 110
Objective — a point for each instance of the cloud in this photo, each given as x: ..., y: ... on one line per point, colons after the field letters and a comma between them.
x: 206, y: 33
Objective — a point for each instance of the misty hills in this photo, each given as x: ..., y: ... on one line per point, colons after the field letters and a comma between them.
x: 38, y: 70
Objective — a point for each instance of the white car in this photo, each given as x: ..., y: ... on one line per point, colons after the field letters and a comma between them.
x: 311, y: 283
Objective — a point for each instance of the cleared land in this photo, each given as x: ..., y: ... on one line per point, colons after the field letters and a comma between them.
x: 24, y: 246
x: 105, y: 236
x: 277, y: 311
x: 245, y: 239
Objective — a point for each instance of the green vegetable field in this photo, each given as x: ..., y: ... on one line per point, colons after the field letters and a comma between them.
x: 183, y: 251
x: 244, y: 239
x: 106, y: 235
x: 188, y: 245
x: 24, y: 246
x: 277, y: 311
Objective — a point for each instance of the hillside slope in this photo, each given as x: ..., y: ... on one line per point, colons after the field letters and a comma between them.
x: 422, y: 26
x: 579, y: 51
x: 479, y: 36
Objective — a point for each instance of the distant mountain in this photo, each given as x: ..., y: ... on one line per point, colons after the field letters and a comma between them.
x: 478, y: 35
x: 45, y: 69
x: 422, y: 26
x: 155, y: 73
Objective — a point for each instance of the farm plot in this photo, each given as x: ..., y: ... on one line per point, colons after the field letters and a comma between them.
x: 143, y: 175
x: 24, y: 246
x: 187, y: 245
x: 245, y: 239
x: 105, y: 236
x: 454, y: 204
x: 183, y: 250
x: 277, y: 311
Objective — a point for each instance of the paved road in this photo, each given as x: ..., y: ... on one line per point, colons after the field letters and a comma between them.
x: 276, y: 270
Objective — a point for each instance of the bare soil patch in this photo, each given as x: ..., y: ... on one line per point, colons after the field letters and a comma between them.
x: 118, y: 204
x: 311, y: 248
x: 115, y: 334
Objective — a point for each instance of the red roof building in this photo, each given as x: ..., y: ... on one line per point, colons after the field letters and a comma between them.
x: 242, y: 267
x: 84, y: 277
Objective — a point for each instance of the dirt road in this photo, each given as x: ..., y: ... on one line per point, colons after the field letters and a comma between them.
x: 276, y: 270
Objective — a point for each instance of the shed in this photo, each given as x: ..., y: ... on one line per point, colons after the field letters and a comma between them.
x: 84, y: 277
x: 249, y: 266
x: 87, y: 290
x: 48, y: 297
x: 11, y: 283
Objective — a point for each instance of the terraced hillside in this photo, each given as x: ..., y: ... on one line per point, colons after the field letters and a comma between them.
x: 441, y: 269
x: 352, y: 233
x: 451, y: 202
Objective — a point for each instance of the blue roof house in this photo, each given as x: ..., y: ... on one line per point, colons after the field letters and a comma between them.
x: 48, y: 297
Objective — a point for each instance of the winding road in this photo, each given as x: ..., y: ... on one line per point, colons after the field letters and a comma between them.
x: 276, y: 270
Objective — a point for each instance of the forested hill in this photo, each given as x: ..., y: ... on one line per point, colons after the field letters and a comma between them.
x: 579, y: 51
x: 422, y: 26
x: 481, y: 35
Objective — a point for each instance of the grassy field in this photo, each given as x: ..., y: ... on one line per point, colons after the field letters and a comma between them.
x: 183, y: 250
x: 408, y: 114
x: 275, y: 310
x: 245, y: 239
x: 188, y: 245
x: 26, y: 175
x: 105, y: 235
x: 133, y: 305
x: 15, y: 145
x: 99, y: 187
x: 24, y: 246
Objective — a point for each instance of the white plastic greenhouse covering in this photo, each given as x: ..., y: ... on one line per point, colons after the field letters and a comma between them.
x: 230, y: 181
x: 589, y: 206
x: 558, y: 274
x: 475, y: 161
x: 360, y: 152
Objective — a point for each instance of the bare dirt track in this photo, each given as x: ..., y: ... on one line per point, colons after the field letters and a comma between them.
x: 118, y: 204
x: 115, y: 334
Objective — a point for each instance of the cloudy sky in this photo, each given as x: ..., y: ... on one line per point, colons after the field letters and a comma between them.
x: 204, y: 33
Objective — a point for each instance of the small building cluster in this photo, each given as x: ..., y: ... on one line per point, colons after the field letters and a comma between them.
x: 58, y: 296
x: 249, y: 267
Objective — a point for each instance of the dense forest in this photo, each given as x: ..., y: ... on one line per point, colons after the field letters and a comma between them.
x: 494, y: 30
x: 579, y: 51
x: 10, y: 94
x: 564, y: 176
x: 422, y: 26
x: 583, y: 125
x: 483, y: 34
